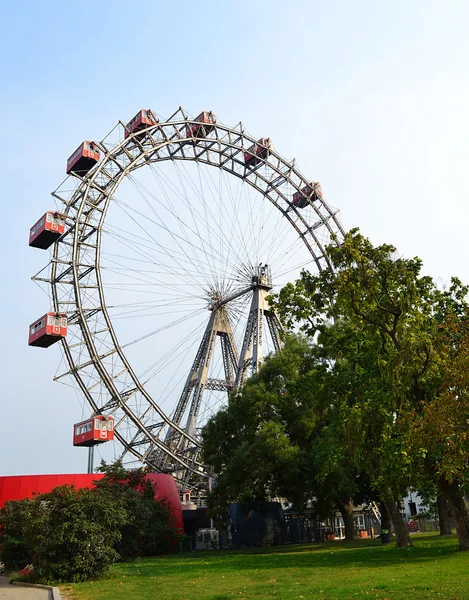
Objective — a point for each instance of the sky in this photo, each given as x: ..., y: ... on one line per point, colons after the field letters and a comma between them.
x: 370, y: 98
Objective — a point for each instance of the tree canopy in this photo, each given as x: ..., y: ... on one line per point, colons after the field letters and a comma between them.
x: 358, y: 401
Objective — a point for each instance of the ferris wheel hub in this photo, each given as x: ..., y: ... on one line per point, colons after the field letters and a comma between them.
x: 260, y: 278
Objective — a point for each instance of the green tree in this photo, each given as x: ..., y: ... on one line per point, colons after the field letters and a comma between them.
x: 279, y: 438
x: 15, y: 546
x: 441, y: 425
x: 68, y: 534
x: 148, y: 528
x: 377, y: 394
x: 393, y: 362
x: 74, y: 535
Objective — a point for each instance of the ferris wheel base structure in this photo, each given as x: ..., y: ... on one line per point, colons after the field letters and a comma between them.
x: 81, y: 317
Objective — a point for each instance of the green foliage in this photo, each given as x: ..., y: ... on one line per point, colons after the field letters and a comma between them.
x: 69, y: 534
x: 278, y: 437
x: 381, y: 324
x: 74, y: 535
x: 374, y: 397
x: 15, y: 546
x: 148, y: 528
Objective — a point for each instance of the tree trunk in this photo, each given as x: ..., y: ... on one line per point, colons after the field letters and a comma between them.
x: 346, y: 510
x: 443, y: 515
x: 455, y: 498
x: 385, y: 517
x: 400, y: 527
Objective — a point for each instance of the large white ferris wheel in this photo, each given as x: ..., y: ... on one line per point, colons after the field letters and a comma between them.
x: 167, y: 239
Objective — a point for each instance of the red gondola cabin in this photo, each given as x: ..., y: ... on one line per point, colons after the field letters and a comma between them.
x: 258, y: 151
x: 142, y: 120
x: 96, y: 430
x: 47, y: 230
x: 49, y: 329
x: 205, y: 123
x: 83, y: 159
x: 312, y: 191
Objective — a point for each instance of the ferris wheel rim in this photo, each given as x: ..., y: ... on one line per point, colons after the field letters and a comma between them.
x: 141, y: 159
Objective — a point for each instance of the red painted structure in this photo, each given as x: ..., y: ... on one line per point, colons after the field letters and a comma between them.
x: 258, y: 151
x: 142, y: 120
x: 47, y: 330
x: 96, y: 430
x: 83, y: 159
x: 207, y: 120
x: 18, y: 487
x: 47, y: 230
x: 312, y: 191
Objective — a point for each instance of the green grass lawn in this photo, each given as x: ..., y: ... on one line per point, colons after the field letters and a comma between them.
x: 335, y: 570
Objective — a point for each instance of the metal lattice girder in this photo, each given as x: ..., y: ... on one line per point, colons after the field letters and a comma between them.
x: 95, y: 358
x: 218, y: 326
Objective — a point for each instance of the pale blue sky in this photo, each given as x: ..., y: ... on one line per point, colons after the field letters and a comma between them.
x: 370, y: 97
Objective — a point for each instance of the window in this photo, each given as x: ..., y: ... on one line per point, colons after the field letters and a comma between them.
x: 63, y: 322
x: 110, y: 425
x: 77, y: 431
x: 37, y: 326
x: 359, y: 521
x: 38, y: 225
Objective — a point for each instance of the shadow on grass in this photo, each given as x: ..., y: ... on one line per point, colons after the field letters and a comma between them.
x: 368, y: 554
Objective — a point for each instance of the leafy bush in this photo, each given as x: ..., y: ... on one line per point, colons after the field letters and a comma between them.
x: 149, y: 528
x: 15, y: 546
x: 74, y: 535
x: 67, y: 534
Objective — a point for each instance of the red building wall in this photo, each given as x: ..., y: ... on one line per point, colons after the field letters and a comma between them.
x: 16, y: 487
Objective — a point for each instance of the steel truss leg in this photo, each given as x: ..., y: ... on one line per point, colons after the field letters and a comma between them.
x: 252, y: 353
x: 218, y: 325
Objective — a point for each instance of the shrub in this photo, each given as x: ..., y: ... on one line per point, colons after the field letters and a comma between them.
x: 74, y: 535
x: 149, y: 528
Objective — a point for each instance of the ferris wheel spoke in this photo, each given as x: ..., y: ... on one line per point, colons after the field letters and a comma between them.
x: 171, y: 255
x: 181, y: 240
x: 186, y: 201
x: 233, y: 225
x: 163, y: 328
x: 147, y: 274
x: 230, y: 261
x: 289, y: 254
x: 171, y: 354
x: 199, y: 220
x: 132, y: 241
x: 153, y: 258
x: 203, y: 247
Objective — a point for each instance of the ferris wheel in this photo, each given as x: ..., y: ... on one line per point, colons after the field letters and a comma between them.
x: 167, y: 239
